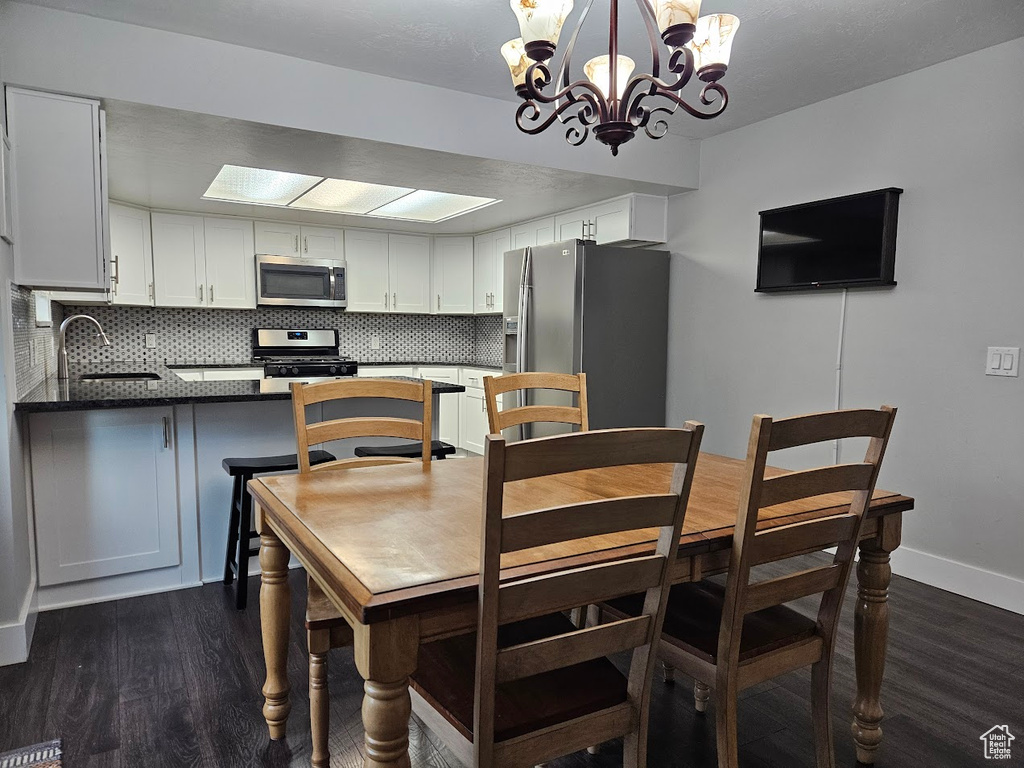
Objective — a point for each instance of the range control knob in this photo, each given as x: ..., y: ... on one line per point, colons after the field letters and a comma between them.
x: 334, y: 369
x: 295, y: 371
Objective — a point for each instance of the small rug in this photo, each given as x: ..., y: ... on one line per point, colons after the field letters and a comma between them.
x: 45, y: 755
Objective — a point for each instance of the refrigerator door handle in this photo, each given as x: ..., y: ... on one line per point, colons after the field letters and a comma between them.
x: 522, y: 338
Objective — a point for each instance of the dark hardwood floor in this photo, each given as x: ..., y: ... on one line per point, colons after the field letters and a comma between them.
x: 174, y: 680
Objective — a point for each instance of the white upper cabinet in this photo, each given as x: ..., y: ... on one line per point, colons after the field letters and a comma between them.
x: 409, y: 273
x: 131, y: 256
x: 452, y: 275
x: 179, y: 260
x: 230, y: 263
x: 322, y: 243
x: 277, y: 239
x: 488, y: 270
x: 59, y: 193
x: 533, y: 233
x: 366, y: 256
x: 630, y: 220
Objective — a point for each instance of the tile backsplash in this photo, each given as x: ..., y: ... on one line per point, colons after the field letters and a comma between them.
x: 225, y: 336
x: 28, y: 371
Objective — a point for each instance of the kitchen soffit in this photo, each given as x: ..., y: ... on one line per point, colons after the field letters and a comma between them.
x: 281, y: 189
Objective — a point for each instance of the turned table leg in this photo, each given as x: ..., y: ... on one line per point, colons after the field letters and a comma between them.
x: 275, y: 610
x: 870, y: 635
x: 385, y: 657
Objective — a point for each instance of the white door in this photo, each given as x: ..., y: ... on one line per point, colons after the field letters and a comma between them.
x: 230, y: 264
x: 473, y: 420
x: 366, y: 256
x: 277, y: 239
x: 483, y: 273
x: 106, y: 494
x: 409, y: 273
x: 611, y: 221
x: 322, y: 243
x: 502, y: 244
x: 452, y: 275
x: 131, y: 256
x: 447, y: 417
x: 179, y: 260
x: 575, y: 224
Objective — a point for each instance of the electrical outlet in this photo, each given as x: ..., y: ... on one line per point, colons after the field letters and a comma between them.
x: 375, y: 342
x: 150, y: 341
x: 1002, y: 361
x: 33, y: 352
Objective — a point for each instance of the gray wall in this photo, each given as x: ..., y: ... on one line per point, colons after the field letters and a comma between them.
x: 954, y: 141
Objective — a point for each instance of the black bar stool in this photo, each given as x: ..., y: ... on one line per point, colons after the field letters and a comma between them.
x: 438, y: 450
x: 236, y: 562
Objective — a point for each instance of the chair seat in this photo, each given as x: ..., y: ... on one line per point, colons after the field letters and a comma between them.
x: 694, y: 616
x: 405, y: 450
x: 446, y: 671
x: 260, y: 464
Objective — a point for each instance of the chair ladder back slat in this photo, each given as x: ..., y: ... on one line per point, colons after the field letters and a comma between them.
x: 590, y: 518
x: 345, y: 389
x: 384, y: 426
x: 830, y: 425
x: 816, y: 482
x: 528, y: 414
x: 573, y: 648
x: 801, y: 538
x: 594, y: 450
x: 547, y: 593
x: 793, y: 586
x: 591, y: 584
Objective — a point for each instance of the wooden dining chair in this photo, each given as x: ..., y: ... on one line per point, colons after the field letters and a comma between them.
x: 529, y: 686
x: 528, y: 414
x: 325, y: 627
x: 732, y: 637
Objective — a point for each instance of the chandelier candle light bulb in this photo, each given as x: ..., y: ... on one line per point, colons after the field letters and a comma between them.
x: 540, y: 22
x: 712, y: 45
x: 514, y: 54
x: 677, y: 20
x: 597, y: 72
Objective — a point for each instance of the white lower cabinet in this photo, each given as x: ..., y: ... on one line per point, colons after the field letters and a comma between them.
x: 473, y: 420
x: 105, y: 491
x: 447, y: 416
x: 384, y: 371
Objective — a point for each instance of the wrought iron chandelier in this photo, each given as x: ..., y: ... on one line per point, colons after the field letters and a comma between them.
x: 612, y: 101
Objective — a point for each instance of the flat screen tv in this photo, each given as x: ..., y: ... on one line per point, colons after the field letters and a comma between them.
x: 844, y: 242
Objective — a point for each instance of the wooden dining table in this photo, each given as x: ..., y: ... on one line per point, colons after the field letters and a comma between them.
x: 396, y: 549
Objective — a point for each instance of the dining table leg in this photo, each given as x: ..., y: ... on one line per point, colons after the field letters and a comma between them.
x: 870, y: 635
x: 385, y: 655
x: 275, y: 617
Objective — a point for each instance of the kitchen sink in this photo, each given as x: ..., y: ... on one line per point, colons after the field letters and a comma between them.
x: 133, y: 376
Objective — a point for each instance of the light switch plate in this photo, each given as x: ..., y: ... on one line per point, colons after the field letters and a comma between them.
x: 150, y: 341
x: 1002, y: 361
x: 375, y: 342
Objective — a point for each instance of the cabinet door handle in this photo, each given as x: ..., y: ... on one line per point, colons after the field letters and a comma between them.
x: 305, y: 245
x: 152, y: 292
x: 211, y: 293
x: 483, y: 405
x: 439, y: 302
x: 394, y: 301
x: 116, y: 277
x: 385, y: 299
x: 200, y: 293
x: 167, y: 432
x: 296, y: 243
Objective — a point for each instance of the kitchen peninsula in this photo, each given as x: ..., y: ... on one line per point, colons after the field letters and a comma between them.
x: 128, y: 490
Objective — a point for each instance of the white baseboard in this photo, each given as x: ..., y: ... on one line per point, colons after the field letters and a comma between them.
x: 960, y: 578
x: 16, y: 637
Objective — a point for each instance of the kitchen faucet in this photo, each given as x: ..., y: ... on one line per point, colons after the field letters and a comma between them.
x: 62, y: 353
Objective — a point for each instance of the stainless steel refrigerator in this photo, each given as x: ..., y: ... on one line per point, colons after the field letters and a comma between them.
x: 577, y: 306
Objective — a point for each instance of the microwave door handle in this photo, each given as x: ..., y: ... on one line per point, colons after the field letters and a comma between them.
x: 333, y: 288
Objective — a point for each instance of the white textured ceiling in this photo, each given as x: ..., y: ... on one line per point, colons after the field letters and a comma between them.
x: 788, y: 53
x: 166, y: 158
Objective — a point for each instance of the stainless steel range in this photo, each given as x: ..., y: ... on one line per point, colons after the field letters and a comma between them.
x: 300, y: 353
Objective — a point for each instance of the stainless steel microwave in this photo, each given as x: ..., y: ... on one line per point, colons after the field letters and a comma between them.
x: 288, y: 281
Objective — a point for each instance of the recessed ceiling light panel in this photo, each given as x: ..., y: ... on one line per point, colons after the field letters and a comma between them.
x: 423, y: 205
x: 342, y: 196
x: 238, y: 184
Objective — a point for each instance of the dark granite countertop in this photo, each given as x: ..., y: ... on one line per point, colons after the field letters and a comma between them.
x: 78, y: 395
